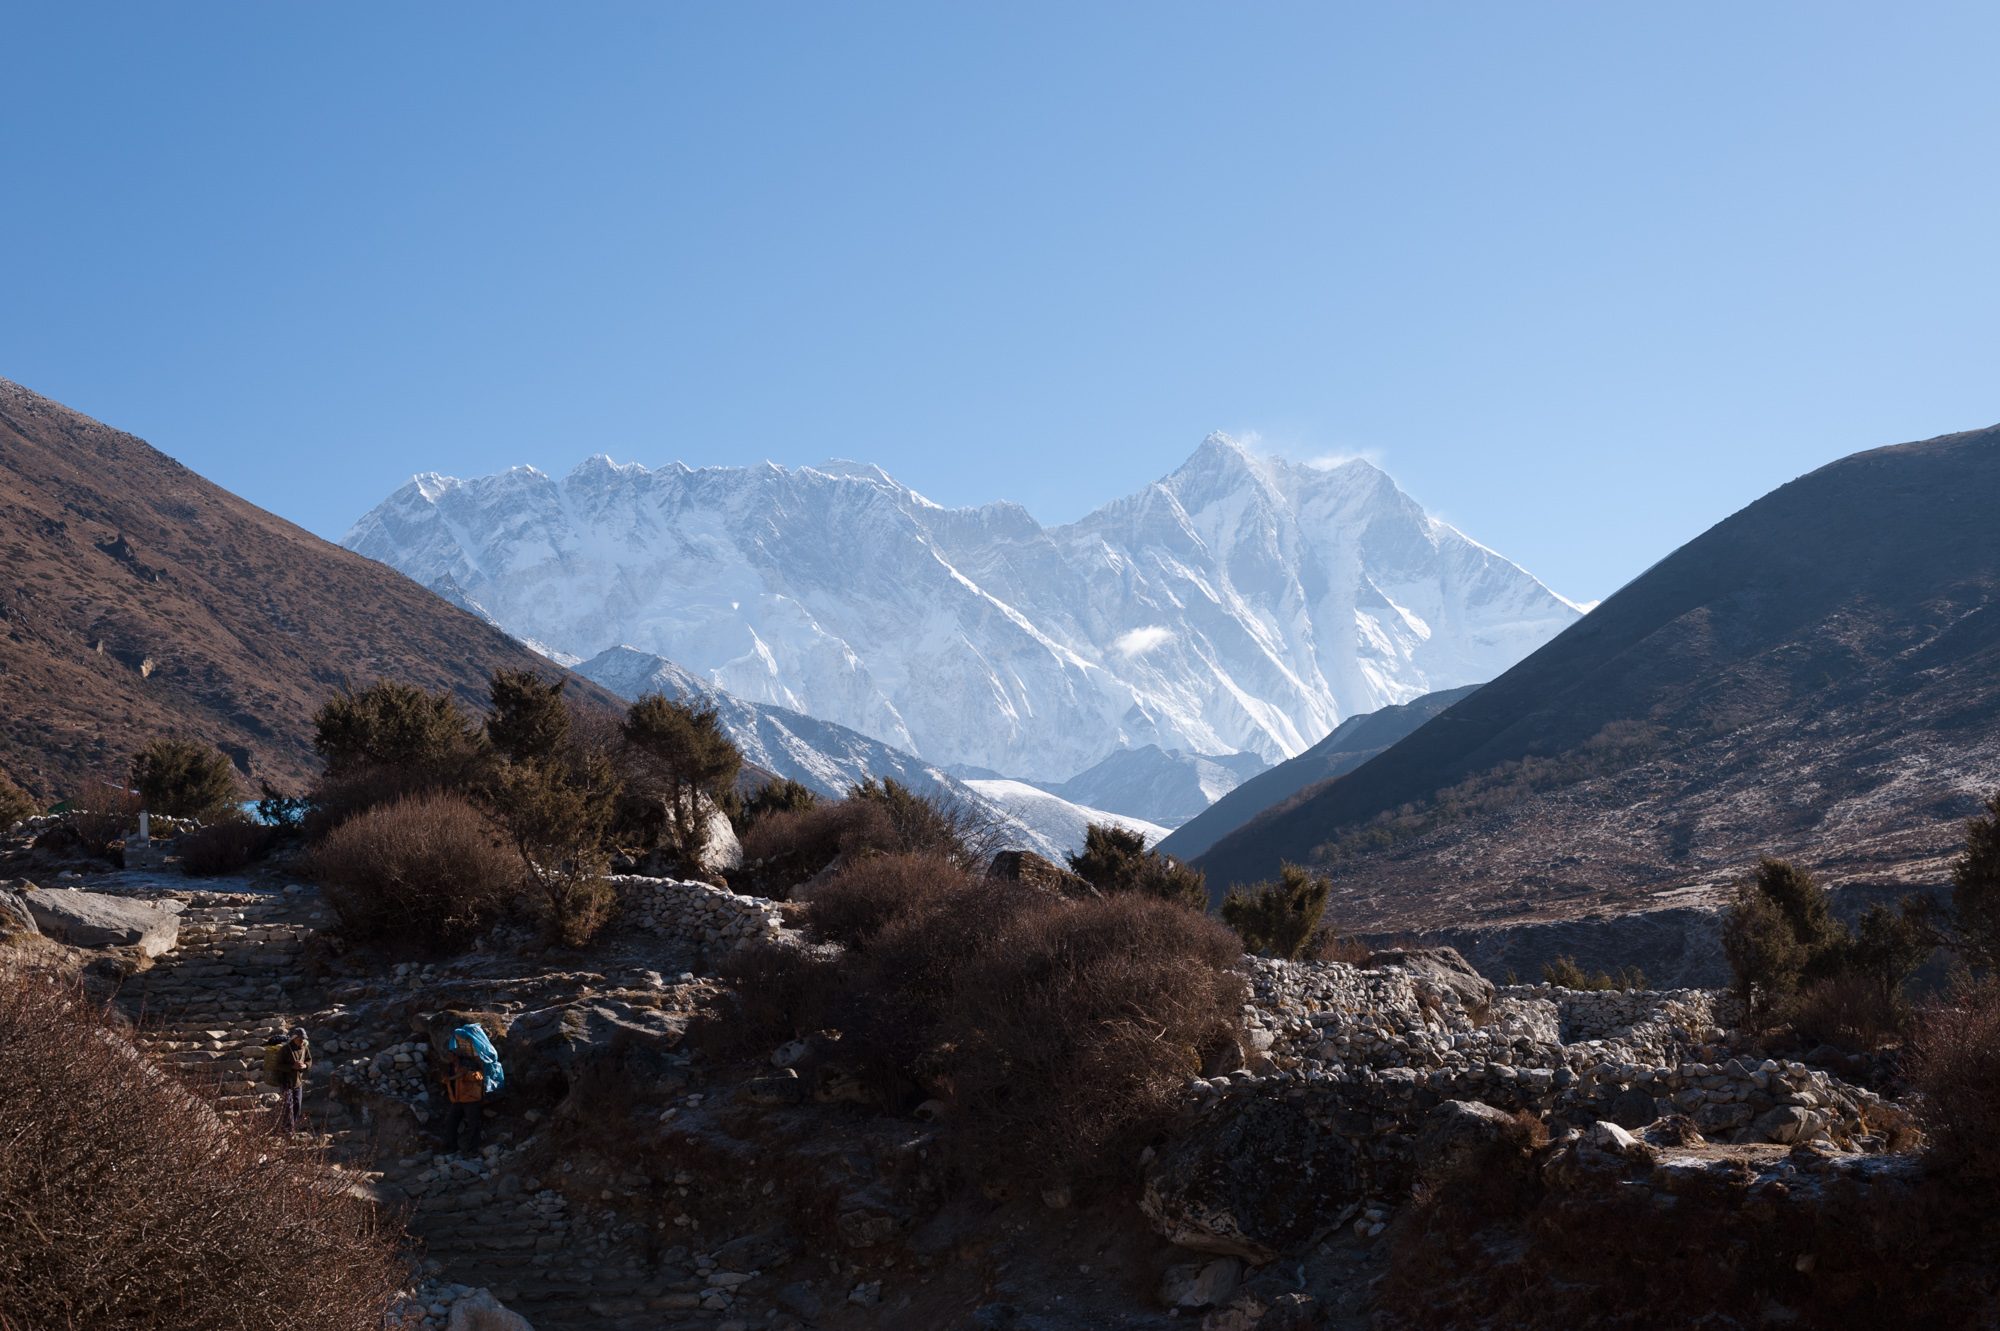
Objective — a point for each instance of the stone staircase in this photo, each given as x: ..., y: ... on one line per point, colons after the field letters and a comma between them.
x: 524, y: 1247
x: 234, y: 981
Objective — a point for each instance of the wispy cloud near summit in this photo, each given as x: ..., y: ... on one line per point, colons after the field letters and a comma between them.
x: 1140, y: 641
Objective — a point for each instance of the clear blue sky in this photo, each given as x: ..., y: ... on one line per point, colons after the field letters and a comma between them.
x: 1584, y: 277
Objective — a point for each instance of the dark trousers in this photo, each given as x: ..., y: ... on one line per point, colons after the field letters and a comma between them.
x: 469, y: 1117
x: 293, y: 1106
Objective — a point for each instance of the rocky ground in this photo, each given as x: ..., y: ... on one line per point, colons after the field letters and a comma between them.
x: 637, y: 1176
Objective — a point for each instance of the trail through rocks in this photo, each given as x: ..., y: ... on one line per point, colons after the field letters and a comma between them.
x: 238, y: 978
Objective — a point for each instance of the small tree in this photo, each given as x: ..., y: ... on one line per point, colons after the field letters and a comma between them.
x: 1809, y: 911
x: 1780, y: 933
x: 555, y: 814
x: 553, y: 798
x: 277, y: 809
x: 529, y: 721
x: 398, y: 727
x: 184, y: 779
x: 1891, y: 944
x: 1764, y: 954
x: 1975, y: 888
x: 781, y: 796
x: 1277, y: 919
x: 1115, y: 859
x: 681, y: 754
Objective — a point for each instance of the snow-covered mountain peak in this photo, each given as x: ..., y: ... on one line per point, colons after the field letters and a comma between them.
x: 864, y: 471
x: 1240, y: 604
x: 429, y: 485
x: 602, y: 467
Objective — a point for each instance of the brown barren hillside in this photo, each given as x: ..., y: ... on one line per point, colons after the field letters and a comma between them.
x: 1817, y: 676
x: 139, y: 599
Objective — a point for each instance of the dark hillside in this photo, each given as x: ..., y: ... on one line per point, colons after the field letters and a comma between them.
x: 1350, y: 744
x: 1814, y: 675
x: 138, y: 599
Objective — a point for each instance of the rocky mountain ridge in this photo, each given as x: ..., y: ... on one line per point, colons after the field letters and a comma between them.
x: 1240, y: 604
x: 1814, y: 676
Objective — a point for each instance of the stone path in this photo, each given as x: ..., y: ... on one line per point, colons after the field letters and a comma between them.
x: 236, y: 980
x: 232, y: 983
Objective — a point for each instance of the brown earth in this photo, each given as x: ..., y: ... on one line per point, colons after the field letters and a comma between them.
x: 139, y: 599
x: 1817, y: 676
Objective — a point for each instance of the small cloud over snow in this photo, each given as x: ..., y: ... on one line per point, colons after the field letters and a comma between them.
x: 1140, y: 641
x: 1304, y: 452
x: 1328, y: 461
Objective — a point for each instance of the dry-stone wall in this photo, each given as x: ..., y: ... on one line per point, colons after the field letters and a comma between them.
x: 698, y: 913
x: 1368, y: 1051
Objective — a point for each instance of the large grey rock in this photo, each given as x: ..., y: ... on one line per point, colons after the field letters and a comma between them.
x: 480, y: 1311
x: 723, y: 852
x: 93, y: 919
x: 608, y: 1040
x: 1251, y: 1180
x: 1787, y: 1124
x: 1441, y: 973
x: 14, y: 914
x: 1458, y: 1134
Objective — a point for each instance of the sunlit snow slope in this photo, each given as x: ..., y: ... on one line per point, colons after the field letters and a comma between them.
x: 1240, y: 604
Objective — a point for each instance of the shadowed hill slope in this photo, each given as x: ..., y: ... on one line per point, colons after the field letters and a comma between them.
x: 1815, y: 675
x: 1350, y: 744
x: 140, y: 599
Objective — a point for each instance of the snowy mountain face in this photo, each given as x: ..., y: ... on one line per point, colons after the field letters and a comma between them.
x: 1240, y: 604
x: 1160, y: 787
x: 831, y: 759
x: 1054, y: 819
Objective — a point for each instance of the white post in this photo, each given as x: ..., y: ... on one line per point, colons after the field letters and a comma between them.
x: 145, y: 826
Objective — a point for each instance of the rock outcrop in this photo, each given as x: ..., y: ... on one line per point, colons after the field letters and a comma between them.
x: 1252, y: 1182
x: 606, y: 1041
x: 93, y: 919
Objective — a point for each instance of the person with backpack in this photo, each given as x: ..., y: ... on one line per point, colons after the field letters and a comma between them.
x: 465, y: 1096
x: 292, y: 1061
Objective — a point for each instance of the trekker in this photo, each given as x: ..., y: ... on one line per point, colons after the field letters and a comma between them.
x: 293, y: 1061
x: 465, y: 1092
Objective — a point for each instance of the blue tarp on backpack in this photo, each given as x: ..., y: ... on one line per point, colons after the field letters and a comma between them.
x: 489, y: 1057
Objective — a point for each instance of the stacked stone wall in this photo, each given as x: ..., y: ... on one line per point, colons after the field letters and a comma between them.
x: 699, y: 913
x: 1369, y: 1052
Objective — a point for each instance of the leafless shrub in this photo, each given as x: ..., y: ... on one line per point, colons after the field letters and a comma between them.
x: 428, y: 868
x: 1954, y: 1062
x: 102, y: 812
x: 873, y: 892
x: 127, y: 1205
x: 1078, y: 1021
x: 777, y: 992
x: 1850, y: 1010
x: 1058, y: 1028
x: 222, y: 847
x: 795, y: 844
